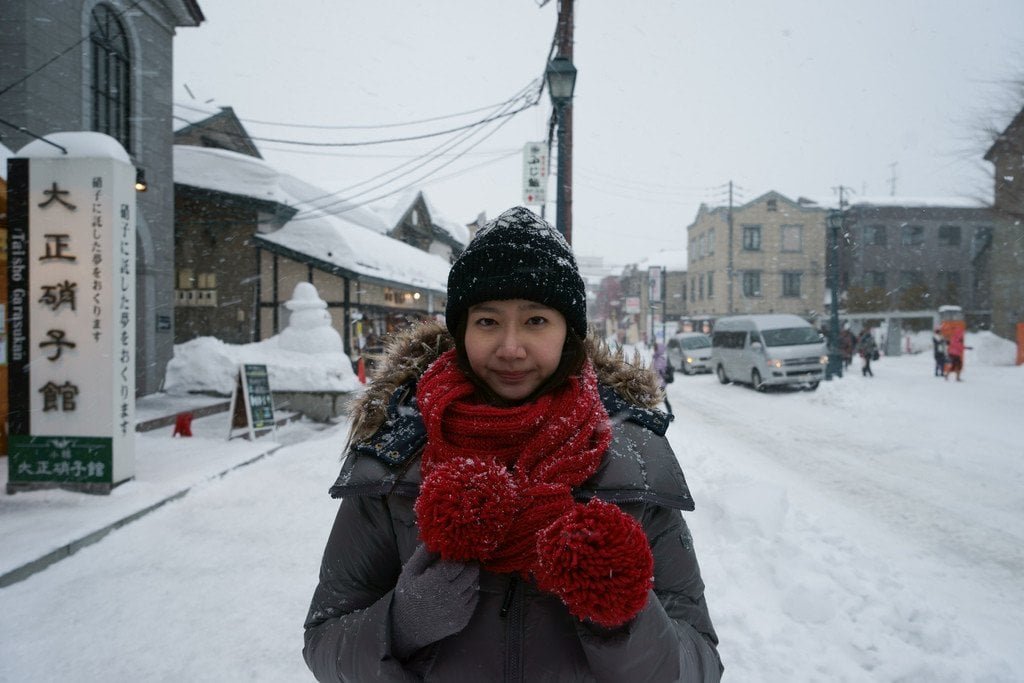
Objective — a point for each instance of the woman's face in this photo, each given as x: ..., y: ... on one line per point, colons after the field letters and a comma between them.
x: 514, y: 345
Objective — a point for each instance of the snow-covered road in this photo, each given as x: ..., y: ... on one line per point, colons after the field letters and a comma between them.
x: 870, y: 530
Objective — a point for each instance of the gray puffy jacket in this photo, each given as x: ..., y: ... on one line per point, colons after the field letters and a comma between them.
x: 517, y: 632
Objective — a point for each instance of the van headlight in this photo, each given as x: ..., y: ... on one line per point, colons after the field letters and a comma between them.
x: 823, y: 360
x: 689, y: 360
x: 774, y: 363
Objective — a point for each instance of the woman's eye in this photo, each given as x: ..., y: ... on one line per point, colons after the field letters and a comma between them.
x: 484, y: 322
x: 537, y: 320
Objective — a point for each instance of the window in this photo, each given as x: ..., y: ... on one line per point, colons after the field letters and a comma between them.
x: 949, y: 284
x: 773, y: 204
x: 910, y: 278
x: 693, y: 289
x: 982, y: 238
x: 912, y: 235
x: 791, y: 284
x: 792, y: 238
x: 700, y: 284
x: 874, y: 278
x: 711, y: 241
x: 751, y: 283
x: 186, y: 278
x: 711, y: 285
x: 111, y: 72
x: 874, y: 235
x: 701, y: 246
x: 752, y: 237
x: 949, y: 235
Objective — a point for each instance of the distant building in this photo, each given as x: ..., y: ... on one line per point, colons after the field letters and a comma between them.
x: 900, y: 253
x: 764, y: 256
x: 1007, y: 155
x: 83, y: 65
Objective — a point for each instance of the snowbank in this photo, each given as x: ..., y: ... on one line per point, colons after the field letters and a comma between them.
x: 207, y: 364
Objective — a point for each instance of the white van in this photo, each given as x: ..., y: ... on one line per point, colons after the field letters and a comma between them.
x: 771, y: 349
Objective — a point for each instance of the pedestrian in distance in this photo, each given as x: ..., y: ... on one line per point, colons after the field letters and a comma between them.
x: 666, y: 373
x: 956, y: 353
x: 510, y: 506
x: 868, y: 350
x: 847, y: 344
x: 939, y: 346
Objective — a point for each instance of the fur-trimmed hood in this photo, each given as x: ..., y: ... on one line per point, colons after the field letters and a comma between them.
x: 410, y: 352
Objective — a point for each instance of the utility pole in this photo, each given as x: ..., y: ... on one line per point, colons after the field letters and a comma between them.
x: 892, y: 179
x: 731, y: 273
x: 565, y: 49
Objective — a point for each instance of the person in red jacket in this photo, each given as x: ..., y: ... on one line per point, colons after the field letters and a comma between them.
x: 956, y: 353
x: 510, y: 504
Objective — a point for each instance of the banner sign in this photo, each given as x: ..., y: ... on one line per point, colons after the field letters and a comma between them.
x: 535, y: 173
x: 654, y: 285
x: 71, y: 276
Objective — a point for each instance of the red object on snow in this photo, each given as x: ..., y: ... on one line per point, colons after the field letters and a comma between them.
x: 182, y: 425
x: 362, y: 371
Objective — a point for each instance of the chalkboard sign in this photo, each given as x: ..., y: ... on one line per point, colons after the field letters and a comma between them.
x: 255, y: 411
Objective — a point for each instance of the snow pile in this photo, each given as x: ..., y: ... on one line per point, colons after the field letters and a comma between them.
x: 306, y: 356
x: 984, y: 348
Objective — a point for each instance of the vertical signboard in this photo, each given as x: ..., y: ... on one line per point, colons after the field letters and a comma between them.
x: 654, y: 285
x: 252, y: 403
x: 535, y: 173
x: 71, y: 251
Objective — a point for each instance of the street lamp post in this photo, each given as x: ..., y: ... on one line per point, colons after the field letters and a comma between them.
x: 835, y: 360
x: 561, y: 76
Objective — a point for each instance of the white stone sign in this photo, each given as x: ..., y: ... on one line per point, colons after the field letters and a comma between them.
x: 71, y: 277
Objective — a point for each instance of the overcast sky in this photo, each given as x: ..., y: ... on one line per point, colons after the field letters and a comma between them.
x: 673, y: 100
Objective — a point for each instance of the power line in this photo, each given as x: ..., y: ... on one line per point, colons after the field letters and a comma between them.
x: 321, y: 211
x: 383, y: 141
x: 432, y: 119
x: 63, y: 52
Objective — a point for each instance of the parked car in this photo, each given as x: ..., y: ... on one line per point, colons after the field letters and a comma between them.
x: 690, y: 352
x: 772, y: 349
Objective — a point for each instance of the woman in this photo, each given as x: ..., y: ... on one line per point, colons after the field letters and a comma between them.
x: 510, y: 506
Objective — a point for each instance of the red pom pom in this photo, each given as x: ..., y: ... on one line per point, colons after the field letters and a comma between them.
x: 597, y: 560
x: 464, y: 508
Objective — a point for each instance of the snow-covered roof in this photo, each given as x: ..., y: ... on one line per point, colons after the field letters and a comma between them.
x: 458, y: 231
x: 225, y: 171
x: 393, y: 213
x: 325, y: 229
x: 69, y: 145
x: 334, y: 240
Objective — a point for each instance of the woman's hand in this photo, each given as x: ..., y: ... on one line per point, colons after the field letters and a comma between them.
x: 433, y: 599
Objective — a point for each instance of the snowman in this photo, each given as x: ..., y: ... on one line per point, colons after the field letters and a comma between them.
x: 309, y: 327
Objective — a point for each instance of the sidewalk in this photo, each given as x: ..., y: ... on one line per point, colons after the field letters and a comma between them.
x: 38, y: 528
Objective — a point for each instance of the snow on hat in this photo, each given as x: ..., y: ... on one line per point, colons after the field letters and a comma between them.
x: 518, y: 255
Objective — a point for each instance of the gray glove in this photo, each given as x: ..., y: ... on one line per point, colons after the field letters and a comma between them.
x: 433, y: 599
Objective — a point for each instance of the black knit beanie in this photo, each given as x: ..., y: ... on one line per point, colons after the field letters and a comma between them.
x: 518, y: 256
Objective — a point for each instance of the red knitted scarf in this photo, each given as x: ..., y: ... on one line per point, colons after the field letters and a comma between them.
x: 497, y: 488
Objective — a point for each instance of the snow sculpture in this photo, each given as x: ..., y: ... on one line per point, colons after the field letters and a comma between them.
x: 309, y: 324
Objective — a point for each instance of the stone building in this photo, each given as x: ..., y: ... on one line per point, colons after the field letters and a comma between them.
x: 764, y: 256
x: 1007, y: 155
x: 905, y: 254
x: 105, y: 66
